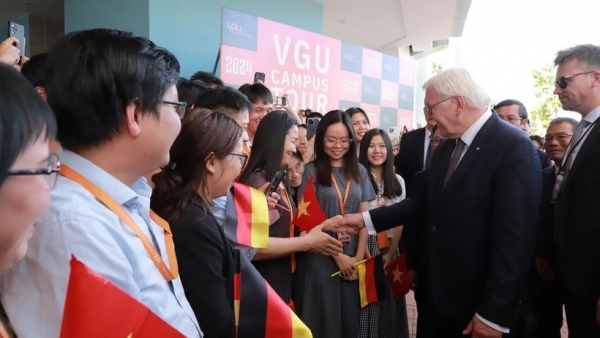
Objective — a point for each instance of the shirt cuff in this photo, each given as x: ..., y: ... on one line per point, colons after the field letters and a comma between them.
x: 369, y: 223
x: 492, y: 325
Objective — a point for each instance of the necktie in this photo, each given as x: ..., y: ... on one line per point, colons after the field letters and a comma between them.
x: 575, y: 144
x: 458, y: 150
x: 429, y: 153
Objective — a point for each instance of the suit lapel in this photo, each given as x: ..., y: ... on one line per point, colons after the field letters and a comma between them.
x: 439, y: 164
x: 476, y: 148
x: 591, y: 139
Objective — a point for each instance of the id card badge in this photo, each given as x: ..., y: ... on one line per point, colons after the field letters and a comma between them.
x: 557, y: 184
x: 344, y: 238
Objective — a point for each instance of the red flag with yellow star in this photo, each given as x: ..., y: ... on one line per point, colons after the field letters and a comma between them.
x: 97, y: 308
x: 397, y: 275
x: 309, y: 213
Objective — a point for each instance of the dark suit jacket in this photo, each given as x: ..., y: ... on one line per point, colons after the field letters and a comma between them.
x: 544, y: 159
x: 546, y: 246
x: 206, y: 267
x: 481, y: 227
x: 577, y: 221
x: 410, y: 159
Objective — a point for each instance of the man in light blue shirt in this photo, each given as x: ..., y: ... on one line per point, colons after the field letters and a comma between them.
x: 115, y: 100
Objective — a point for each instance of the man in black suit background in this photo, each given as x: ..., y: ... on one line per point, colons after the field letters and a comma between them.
x: 480, y: 202
x: 577, y: 206
x: 415, y: 150
x: 515, y: 113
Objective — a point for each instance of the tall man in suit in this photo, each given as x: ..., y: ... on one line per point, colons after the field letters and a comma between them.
x: 577, y: 215
x: 415, y: 152
x: 480, y: 203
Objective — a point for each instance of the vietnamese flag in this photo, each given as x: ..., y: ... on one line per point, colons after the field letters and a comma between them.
x: 397, y: 275
x: 259, y: 311
x: 95, y: 307
x: 371, y: 281
x: 309, y: 213
x: 247, y: 216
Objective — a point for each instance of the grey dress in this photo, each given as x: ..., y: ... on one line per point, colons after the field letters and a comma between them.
x: 330, y: 306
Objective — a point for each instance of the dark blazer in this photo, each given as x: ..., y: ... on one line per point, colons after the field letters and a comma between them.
x: 410, y: 159
x: 544, y: 159
x: 206, y: 266
x: 481, y: 227
x: 546, y: 246
x: 577, y: 221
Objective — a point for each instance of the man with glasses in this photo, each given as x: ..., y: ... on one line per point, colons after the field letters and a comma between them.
x: 577, y: 190
x: 549, y: 295
x: 480, y: 203
x: 118, y: 114
x: 515, y: 113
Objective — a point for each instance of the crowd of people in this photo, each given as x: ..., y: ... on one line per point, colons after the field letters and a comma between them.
x: 109, y: 155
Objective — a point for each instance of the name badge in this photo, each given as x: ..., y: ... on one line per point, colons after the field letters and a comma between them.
x: 557, y: 184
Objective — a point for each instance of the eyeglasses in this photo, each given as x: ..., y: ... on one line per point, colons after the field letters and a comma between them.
x: 298, y: 168
x: 50, y: 172
x: 179, y: 107
x: 559, y: 137
x: 510, y: 118
x: 331, y: 141
x: 429, y: 108
x: 242, y: 157
x: 562, y: 81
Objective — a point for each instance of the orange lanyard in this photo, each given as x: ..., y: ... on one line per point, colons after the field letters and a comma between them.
x: 341, y: 201
x: 286, y: 199
x: 110, y: 203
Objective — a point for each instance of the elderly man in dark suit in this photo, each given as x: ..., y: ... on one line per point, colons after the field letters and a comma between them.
x: 480, y: 202
x: 577, y: 212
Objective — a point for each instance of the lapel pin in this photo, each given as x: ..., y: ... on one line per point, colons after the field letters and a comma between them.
x: 476, y: 148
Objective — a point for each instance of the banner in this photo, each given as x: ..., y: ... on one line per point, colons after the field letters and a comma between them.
x: 317, y: 72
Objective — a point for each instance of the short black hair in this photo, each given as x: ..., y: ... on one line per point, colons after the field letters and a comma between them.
x: 257, y: 93
x: 224, y: 100
x: 93, y: 76
x: 24, y: 118
x: 189, y: 90
x: 210, y: 79
x: 35, y: 70
x: 510, y: 102
x: 356, y: 110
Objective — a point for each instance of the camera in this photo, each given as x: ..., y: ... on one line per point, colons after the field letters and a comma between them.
x: 280, y: 101
x: 305, y: 112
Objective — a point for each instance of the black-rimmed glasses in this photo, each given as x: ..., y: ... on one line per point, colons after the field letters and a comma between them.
x: 558, y: 137
x: 50, y: 172
x: 562, y: 81
x: 242, y: 157
x: 429, y: 108
x: 180, y: 107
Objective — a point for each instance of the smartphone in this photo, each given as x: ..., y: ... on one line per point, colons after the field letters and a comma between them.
x: 259, y: 77
x: 279, y: 101
x: 18, y: 31
x: 393, y: 132
x: 275, y: 181
x: 311, y: 126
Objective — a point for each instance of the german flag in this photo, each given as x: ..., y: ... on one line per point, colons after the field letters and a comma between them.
x: 259, y: 311
x: 371, y: 281
x: 97, y: 308
x: 247, y: 216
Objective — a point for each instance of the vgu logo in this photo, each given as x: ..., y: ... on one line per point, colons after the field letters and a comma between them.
x: 368, y: 89
x: 388, y: 67
x: 234, y: 27
x: 348, y: 56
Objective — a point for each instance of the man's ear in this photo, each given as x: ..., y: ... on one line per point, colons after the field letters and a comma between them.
x: 133, y: 117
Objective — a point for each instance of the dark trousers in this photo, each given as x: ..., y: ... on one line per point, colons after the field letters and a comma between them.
x: 581, y: 316
x: 549, y: 300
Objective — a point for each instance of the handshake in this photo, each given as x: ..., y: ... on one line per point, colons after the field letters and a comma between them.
x: 349, y: 224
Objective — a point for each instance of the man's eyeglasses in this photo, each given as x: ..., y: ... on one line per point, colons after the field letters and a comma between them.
x: 562, y: 81
x: 50, y: 172
x: 510, y: 118
x: 179, y: 107
x: 242, y: 158
x: 429, y: 109
x: 559, y: 137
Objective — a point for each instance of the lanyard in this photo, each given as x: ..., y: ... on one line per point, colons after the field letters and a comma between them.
x: 341, y: 201
x: 563, y: 165
x: 286, y: 199
x: 117, y: 209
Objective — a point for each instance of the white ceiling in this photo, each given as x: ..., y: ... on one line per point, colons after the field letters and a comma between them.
x: 387, y: 26
x: 391, y: 26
